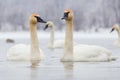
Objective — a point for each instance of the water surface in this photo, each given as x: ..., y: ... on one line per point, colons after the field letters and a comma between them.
x: 52, y: 69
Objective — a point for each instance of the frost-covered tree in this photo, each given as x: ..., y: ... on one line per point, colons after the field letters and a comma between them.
x: 88, y: 14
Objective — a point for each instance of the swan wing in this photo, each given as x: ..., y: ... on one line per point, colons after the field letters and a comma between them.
x: 59, y: 44
x: 18, y: 52
x: 91, y: 53
x: 21, y: 52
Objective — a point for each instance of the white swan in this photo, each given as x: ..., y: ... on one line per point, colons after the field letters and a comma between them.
x: 86, y: 53
x: 54, y: 43
x: 28, y: 52
x: 116, y: 27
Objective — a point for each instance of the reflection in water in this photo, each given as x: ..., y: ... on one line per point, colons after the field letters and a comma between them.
x: 34, y: 63
x: 34, y: 69
x: 68, y: 69
x: 33, y: 73
x: 52, y: 49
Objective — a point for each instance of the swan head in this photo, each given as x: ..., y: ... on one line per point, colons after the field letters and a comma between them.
x: 49, y: 24
x: 68, y: 14
x: 35, y: 18
x: 115, y: 27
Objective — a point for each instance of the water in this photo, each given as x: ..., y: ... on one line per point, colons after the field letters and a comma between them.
x: 52, y: 69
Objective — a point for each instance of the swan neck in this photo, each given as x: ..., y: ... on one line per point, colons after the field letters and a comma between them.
x: 118, y: 31
x: 52, y: 35
x: 69, y: 38
x: 34, y: 38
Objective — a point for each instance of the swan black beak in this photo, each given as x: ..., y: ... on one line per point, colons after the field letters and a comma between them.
x: 46, y: 27
x: 112, y: 30
x: 65, y: 16
x: 40, y: 20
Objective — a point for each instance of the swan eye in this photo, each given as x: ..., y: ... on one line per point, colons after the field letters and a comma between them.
x: 65, y: 15
x: 40, y: 20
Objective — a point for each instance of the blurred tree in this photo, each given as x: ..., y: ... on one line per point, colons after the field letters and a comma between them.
x: 88, y: 14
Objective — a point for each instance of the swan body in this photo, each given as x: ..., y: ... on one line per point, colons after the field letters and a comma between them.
x: 92, y: 53
x: 57, y: 44
x: 82, y: 53
x: 54, y: 43
x: 22, y: 52
x: 116, y: 27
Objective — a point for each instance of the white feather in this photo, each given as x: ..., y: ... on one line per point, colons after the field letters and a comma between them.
x: 55, y: 43
x: 87, y: 53
x: 21, y: 52
x: 92, y: 53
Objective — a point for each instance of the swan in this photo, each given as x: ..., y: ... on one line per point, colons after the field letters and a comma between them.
x: 54, y: 43
x: 22, y: 52
x: 82, y: 53
x: 116, y: 27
